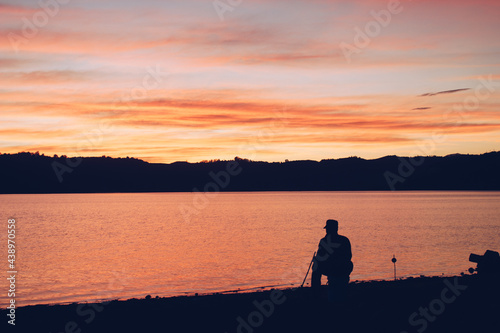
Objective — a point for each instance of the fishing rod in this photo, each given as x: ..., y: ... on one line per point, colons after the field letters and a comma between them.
x: 305, y: 277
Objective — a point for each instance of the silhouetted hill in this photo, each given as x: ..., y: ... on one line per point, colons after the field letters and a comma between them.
x: 35, y: 173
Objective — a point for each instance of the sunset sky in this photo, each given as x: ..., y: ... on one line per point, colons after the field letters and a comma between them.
x: 268, y: 80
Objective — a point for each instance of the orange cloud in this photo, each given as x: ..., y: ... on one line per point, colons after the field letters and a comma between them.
x: 42, y: 77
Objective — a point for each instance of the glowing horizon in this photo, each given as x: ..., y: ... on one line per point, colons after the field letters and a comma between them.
x: 271, y: 80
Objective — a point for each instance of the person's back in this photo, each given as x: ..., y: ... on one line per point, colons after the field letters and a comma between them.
x: 335, y: 252
x: 333, y: 259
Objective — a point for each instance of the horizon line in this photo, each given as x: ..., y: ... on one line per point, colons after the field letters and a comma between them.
x: 215, y: 160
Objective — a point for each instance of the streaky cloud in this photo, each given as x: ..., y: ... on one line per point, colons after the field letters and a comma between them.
x: 444, y: 92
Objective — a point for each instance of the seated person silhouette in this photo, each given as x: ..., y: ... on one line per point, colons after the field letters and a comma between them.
x: 333, y: 259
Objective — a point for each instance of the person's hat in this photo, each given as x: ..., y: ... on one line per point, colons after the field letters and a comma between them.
x: 331, y: 224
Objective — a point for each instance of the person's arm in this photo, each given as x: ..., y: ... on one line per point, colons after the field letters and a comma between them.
x: 321, y: 252
x: 317, y: 258
x: 348, y: 249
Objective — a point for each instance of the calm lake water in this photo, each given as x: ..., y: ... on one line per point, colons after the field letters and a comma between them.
x: 82, y: 247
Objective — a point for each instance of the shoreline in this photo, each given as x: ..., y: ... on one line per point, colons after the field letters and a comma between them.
x: 265, y: 191
x: 249, y: 289
x: 454, y: 303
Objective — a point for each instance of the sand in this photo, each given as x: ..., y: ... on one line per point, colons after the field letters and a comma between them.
x: 427, y: 304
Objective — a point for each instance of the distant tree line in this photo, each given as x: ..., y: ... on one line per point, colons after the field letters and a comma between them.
x: 37, y: 173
